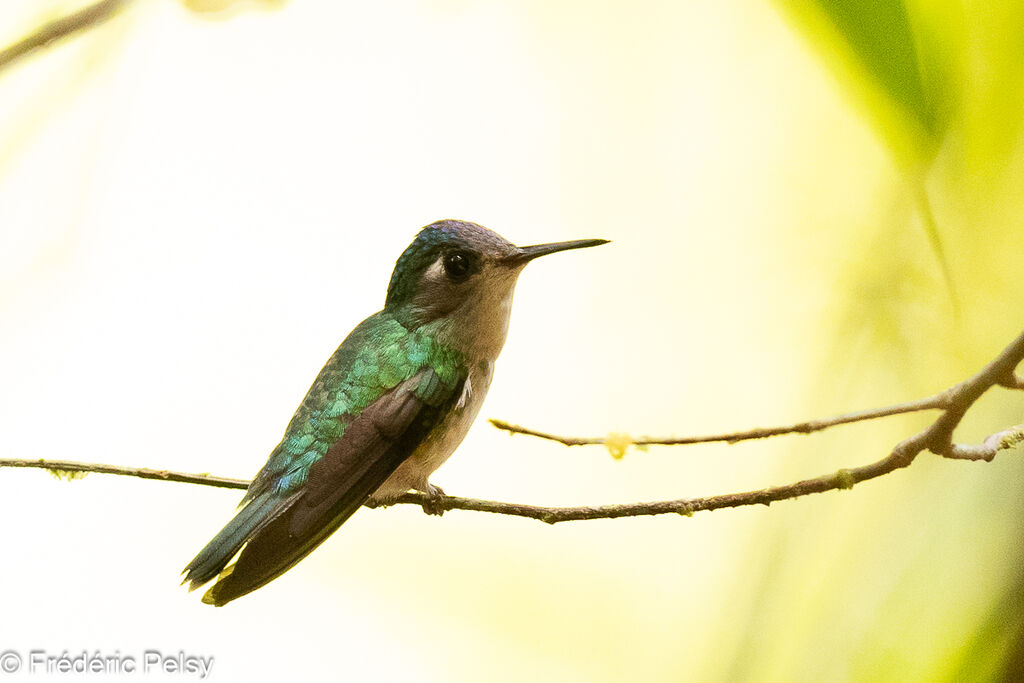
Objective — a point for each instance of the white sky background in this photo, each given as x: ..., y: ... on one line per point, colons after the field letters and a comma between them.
x: 191, y: 226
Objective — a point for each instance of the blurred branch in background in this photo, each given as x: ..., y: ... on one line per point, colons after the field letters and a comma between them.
x: 937, y: 438
x: 57, y: 30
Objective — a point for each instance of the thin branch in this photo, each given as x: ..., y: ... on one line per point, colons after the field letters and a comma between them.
x: 987, y: 449
x: 937, y: 438
x: 61, y: 467
x: 944, y: 400
x: 900, y: 457
x: 936, y: 402
x: 46, y: 35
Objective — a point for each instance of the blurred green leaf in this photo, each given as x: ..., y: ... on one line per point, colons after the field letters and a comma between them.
x: 879, y: 33
x: 871, y: 47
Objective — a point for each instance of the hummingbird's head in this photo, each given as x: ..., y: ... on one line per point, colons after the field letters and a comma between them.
x: 459, y: 277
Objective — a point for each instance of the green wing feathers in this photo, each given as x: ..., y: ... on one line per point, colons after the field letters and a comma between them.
x: 377, y: 356
x: 374, y: 402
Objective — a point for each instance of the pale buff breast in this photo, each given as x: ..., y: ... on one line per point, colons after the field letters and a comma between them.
x: 477, y: 328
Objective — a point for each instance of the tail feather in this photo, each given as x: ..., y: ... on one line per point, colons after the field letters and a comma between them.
x: 219, y: 551
x: 275, y: 547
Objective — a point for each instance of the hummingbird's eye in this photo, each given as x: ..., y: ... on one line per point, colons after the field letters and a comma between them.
x: 456, y: 266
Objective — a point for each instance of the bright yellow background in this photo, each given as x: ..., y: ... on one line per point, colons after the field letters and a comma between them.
x: 195, y: 210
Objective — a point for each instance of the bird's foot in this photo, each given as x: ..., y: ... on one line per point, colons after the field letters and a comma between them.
x: 435, y: 504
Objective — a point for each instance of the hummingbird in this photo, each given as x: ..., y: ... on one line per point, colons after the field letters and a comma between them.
x: 389, y: 407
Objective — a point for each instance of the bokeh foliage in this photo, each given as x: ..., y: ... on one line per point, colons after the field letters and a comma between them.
x: 940, y: 84
x: 913, y: 578
x: 877, y: 54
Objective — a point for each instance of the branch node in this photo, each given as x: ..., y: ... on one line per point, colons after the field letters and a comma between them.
x: 617, y: 444
x: 905, y: 451
x: 1012, y: 381
x: 845, y: 479
x: 945, y: 399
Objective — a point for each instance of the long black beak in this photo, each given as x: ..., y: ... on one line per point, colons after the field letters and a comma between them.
x: 524, y: 254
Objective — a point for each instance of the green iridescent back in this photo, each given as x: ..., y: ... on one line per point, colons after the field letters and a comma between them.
x: 377, y: 356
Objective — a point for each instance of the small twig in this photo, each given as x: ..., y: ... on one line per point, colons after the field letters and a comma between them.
x: 937, y: 438
x: 947, y: 401
x: 60, y: 466
x: 937, y: 402
x: 987, y: 449
x: 45, y: 35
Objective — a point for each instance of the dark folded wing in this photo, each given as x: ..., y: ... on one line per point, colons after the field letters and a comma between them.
x: 374, y: 444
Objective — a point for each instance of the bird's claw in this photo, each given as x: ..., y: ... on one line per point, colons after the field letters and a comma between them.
x: 434, y: 504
